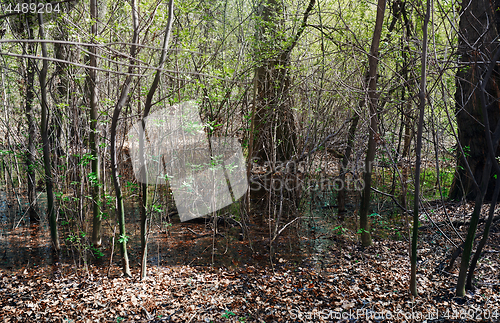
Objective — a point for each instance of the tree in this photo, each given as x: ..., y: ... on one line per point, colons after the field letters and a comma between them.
x: 492, y: 144
x: 147, y: 109
x: 122, y: 100
x: 273, y: 136
x: 418, y: 152
x: 30, y: 95
x: 472, y: 177
x: 345, y: 162
x: 476, y: 44
x: 51, y: 212
x: 364, y: 224
x: 491, y: 162
x: 95, y: 175
x: 471, y: 233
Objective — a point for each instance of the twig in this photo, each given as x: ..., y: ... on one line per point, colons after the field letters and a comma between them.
x: 393, y: 198
x: 281, y: 230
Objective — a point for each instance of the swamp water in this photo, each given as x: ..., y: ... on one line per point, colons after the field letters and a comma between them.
x: 190, y: 243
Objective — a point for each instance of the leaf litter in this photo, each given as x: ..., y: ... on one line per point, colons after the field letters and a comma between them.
x: 346, y: 284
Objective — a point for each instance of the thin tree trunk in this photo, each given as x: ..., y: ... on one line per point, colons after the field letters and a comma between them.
x: 416, y: 196
x: 9, y: 170
x: 484, y: 239
x: 147, y: 108
x: 30, y: 153
x: 364, y: 224
x: 114, y: 122
x: 62, y: 91
x: 120, y: 211
x: 51, y: 214
x: 345, y: 162
x: 406, y: 114
x: 408, y: 134
x: 95, y: 175
x: 469, y: 241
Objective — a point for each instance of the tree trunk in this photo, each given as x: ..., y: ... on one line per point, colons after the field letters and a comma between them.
x: 120, y: 211
x: 147, y: 108
x: 408, y: 134
x: 341, y: 197
x: 114, y: 122
x: 51, y: 214
x: 273, y: 135
x: 31, y: 151
x: 484, y: 239
x: 492, y: 145
x: 407, y: 114
x: 418, y: 150
x: 472, y: 178
x: 476, y: 45
x: 62, y: 91
x: 366, y: 239
x: 471, y: 233
x: 95, y: 175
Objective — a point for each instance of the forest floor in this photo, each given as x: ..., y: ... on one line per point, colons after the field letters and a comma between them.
x: 345, y: 284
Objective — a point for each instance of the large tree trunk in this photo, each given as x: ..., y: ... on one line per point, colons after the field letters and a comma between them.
x: 492, y: 146
x: 476, y: 46
x: 273, y: 135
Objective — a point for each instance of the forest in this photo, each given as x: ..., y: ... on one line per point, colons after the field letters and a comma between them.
x: 249, y: 161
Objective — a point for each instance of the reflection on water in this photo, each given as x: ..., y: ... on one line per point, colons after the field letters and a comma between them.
x: 318, y: 243
x: 25, y: 245
x: 22, y: 244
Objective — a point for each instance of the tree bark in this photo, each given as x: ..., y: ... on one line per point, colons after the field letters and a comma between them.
x: 273, y: 135
x: 366, y: 239
x: 114, y: 122
x: 418, y: 150
x: 492, y: 145
x: 471, y: 233
x: 51, y: 214
x: 147, y: 108
x: 31, y: 151
x: 341, y: 197
x: 476, y: 45
x: 95, y: 175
